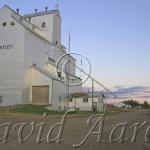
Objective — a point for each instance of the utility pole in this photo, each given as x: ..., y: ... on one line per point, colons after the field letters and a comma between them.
x: 92, y: 95
x: 68, y: 72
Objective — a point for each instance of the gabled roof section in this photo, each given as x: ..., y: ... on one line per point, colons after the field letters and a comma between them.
x: 5, y: 6
x: 42, y: 13
x: 26, y: 24
x: 7, y: 9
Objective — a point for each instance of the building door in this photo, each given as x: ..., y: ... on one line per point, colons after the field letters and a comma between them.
x: 95, y: 106
x: 40, y: 94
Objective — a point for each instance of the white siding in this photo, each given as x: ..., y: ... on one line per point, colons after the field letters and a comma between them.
x: 35, y: 51
x: 86, y: 106
x: 53, y: 26
x: 11, y: 60
x: 16, y: 75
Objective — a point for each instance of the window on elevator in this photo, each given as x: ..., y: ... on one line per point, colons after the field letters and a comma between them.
x: 43, y: 24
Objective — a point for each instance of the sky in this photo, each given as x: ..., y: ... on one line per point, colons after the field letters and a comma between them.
x: 113, y: 34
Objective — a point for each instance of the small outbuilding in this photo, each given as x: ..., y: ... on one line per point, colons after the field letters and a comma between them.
x: 86, y: 102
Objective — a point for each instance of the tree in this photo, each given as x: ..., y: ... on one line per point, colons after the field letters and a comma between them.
x: 132, y: 103
x: 145, y: 105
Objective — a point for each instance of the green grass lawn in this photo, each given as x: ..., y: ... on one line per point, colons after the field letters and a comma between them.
x: 29, y: 109
x: 40, y: 110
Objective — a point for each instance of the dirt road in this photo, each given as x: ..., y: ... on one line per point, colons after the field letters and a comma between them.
x: 75, y: 131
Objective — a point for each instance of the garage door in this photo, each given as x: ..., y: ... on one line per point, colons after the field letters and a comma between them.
x: 40, y: 94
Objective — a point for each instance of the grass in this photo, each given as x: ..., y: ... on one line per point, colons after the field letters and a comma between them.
x: 40, y: 110
x: 28, y: 109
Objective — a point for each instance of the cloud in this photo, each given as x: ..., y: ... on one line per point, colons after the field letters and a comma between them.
x: 139, y: 93
x: 134, y: 91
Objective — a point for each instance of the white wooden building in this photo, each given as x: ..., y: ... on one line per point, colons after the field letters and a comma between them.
x: 30, y: 46
x: 86, y: 102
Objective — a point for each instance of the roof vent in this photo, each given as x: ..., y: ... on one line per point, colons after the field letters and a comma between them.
x: 36, y: 10
x: 46, y: 8
x: 17, y: 10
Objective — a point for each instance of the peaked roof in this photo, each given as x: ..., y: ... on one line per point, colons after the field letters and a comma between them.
x: 7, y: 7
x: 34, y: 14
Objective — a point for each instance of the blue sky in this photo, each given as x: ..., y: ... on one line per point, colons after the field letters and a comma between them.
x: 113, y: 34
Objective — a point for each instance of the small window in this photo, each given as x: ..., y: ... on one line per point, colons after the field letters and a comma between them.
x: 70, y: 100
x: 1, y: 99
x: 85, y: 100
x: 4, y: 23
x: 59, y: 74
x: 34, y: 64
x: 12, y: 23
x: 50, y: 59
x: 43, y: 24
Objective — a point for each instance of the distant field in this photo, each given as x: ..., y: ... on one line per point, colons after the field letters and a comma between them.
x: 40, y: 110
